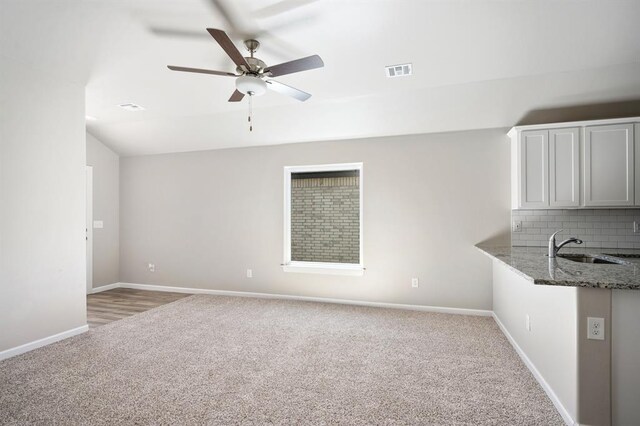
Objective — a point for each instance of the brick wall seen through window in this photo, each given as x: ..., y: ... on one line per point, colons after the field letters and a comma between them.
x: 325, y: 217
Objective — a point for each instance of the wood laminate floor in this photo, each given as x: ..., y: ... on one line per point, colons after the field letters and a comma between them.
x: 112, y: 305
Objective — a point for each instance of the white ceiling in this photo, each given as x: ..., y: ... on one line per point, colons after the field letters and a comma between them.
x: 477, y: 64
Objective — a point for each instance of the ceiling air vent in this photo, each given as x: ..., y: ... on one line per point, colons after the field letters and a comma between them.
x: 401, y: 70
x: 131, y: 107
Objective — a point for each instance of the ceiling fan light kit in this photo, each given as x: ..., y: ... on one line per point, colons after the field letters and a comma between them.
x: 252, y: 72
x: 251, y: 85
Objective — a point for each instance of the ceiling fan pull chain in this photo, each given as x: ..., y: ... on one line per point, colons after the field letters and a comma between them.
x: 250, y: 113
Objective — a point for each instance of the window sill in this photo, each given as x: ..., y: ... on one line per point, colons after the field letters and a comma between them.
x: 324, y: 268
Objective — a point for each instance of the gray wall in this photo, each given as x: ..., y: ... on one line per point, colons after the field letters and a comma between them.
x: 42, y: 205
x: 106, y: 207
x: 325, y: 219
x: 610, y: 228
x: 203, y: 218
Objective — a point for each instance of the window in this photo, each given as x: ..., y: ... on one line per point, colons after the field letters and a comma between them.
x: 323, y: 219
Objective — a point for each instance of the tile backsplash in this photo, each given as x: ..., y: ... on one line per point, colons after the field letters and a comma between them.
x: 609, y: 228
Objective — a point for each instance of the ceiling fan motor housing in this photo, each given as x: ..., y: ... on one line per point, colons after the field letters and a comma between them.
x: 256, y: 66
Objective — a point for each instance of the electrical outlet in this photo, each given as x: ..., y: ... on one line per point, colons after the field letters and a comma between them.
x: 595, y: 328
x: 636, y: 227
x: 415, y: 283
x: 527, y: 322
x: 249, y: 273
x: 152, y: 267
x: 517, y: 226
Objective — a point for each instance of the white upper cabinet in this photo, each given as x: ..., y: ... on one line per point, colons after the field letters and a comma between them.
x: 608, y: 165
x: 564, y: 167
x: 588, y: 164
x: 534, y: 167
x: 636, y: 134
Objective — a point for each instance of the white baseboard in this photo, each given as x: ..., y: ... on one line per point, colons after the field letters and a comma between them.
x: 104, y: 288
x: 438, y: 309
x: 543, y: 383
x: 42, y: 342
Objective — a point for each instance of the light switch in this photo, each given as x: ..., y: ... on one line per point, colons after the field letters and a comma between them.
x: 97, y: 224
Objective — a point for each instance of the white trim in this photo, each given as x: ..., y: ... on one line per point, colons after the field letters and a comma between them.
x: 323, y: 269
x: 42, y: 342
x: 102, y: 288
x: 352, y: 269
x: 320, y: 267
x: 338, y: 167
x: 89, y: 227
x: 536, y: 374
x: 422, y: 308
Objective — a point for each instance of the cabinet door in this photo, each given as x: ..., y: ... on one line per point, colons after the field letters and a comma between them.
x: 608, y: 165
x: 636, y: 134
x: 534, y: 169
x: 564, y: 167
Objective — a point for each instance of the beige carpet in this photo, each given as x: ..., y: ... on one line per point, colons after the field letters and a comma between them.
x: 227, y: 360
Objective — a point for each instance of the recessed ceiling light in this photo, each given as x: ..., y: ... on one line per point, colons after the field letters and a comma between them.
x: 90, y: 118
x: 400, y: 70
x: 131, y: 107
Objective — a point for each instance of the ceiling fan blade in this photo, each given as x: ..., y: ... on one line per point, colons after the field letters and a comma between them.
x: 179, y: 33
x: 236, y: 96
x: 287, y: 90
x: 236, y: 23
x: 231, y: 18
x: 201, y: 71
x: 281, y: 7
x: 304, y: 64
x: 227, y: 45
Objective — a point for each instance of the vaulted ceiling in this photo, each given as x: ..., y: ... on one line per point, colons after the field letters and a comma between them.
x: 477, y: 64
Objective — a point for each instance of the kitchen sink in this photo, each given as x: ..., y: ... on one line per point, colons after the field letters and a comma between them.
x: 593, y: 258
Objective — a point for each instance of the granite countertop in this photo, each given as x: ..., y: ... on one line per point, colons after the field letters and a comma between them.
x: 534, y: 264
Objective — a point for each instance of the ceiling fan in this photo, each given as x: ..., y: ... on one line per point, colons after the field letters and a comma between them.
x: 253, y: 76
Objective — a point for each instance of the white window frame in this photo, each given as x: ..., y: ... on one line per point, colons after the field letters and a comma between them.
x: 320, y: 267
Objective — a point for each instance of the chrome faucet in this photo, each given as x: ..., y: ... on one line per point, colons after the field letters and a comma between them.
x: 553, y: 248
